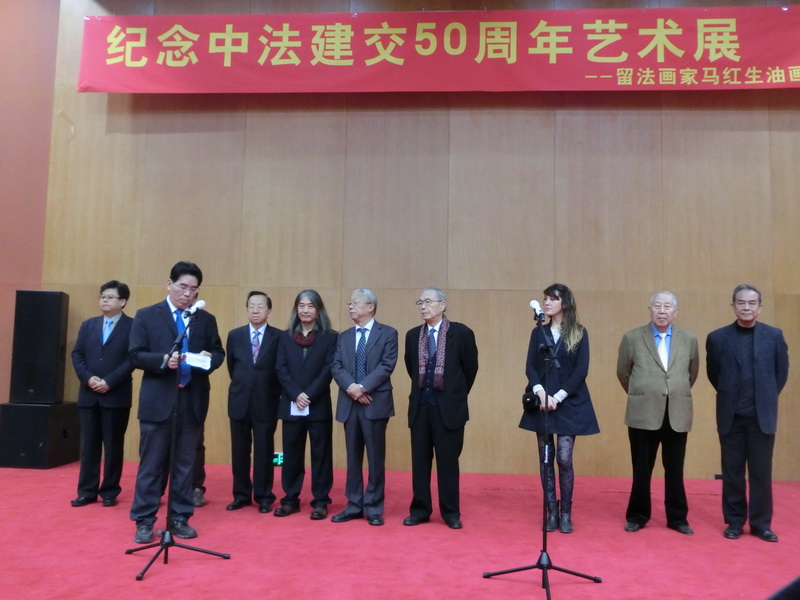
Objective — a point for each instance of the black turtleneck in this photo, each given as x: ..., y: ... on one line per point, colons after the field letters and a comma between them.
x: 746, y: 394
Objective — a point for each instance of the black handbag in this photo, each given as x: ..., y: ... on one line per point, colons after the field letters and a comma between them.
x: 530, y: 402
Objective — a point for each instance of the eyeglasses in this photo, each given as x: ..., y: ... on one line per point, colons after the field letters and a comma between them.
x: 354, y: 302
x: 426, y: 302
x: 107, y: 297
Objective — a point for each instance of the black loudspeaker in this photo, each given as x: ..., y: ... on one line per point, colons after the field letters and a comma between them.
x: 39, y: 349
x: 39, y: 436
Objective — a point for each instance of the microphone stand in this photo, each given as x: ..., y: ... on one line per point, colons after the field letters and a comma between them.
x: 167, y: 537
x: 544, y: 563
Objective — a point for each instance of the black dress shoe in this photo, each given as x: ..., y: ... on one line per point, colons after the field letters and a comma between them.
x: 109, y: 501
x: 683, y: 528
x: 411, y: 520
x: 319, y: 513
x: 264, y: 506
x: 284, y: 510
x: 767, y: 535
x: 453, y: 523
x: 83, y: 500
x: 238, y: 503
x: 144, y: 533
x: 344, y: 517
x: 375, y: 521
x: 632, y: 527
x: 180, y: 528
x: 732, y: 532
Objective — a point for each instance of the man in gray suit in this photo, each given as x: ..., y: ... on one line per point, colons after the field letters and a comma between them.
x: 362, y: 367
x: 657, y: 367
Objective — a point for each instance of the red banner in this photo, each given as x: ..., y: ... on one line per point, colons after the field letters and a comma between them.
x: 498, y: 51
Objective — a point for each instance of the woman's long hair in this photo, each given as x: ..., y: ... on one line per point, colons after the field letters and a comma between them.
x: 571, y: 328
x: 323, y: 324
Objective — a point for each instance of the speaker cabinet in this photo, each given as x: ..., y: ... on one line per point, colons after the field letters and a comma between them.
x: 39, y: 348
x: 39, y: 436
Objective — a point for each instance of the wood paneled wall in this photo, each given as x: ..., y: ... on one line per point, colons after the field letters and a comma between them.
x: 489, y: 196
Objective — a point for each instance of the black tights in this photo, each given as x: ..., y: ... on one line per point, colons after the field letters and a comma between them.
x: 566, y: 474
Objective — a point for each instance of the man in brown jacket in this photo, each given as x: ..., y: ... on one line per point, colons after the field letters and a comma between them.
x: 657, y: 366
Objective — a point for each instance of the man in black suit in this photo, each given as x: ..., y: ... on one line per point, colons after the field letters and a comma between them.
x: 748, y: 365
x: 363, y: 363
x: 253, y: 398
x: 171, y: 384
x: 100, y: 359
x: 442, y: 360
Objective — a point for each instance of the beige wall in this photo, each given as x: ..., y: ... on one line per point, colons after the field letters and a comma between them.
x: 489, y: 196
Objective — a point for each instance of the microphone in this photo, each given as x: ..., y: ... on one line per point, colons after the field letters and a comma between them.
x: 194, y: 308
x: 537, y: 310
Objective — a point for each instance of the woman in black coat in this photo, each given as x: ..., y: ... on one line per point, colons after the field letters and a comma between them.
x: 565, y: 407
x: 305, y: 354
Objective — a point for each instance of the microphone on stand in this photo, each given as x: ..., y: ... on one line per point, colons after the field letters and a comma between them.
x: 537, y: 310
x: 194, y: 308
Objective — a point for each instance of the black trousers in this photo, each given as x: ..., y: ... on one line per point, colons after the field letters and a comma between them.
x: 260, y: 435
x: 293, y: 471
x: 429, y: 438
x: 644, y: 450
x: 102, y: 439
x: 745, y: 446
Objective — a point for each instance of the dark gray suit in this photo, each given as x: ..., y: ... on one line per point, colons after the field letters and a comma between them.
x: 103, y: 417
x: 152, y: 336
x: 365, y: 425
x: 747, y: 420
x: 253, y: 398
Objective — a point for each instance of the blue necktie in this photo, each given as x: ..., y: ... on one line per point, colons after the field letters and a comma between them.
x: 361, y: 355
x: 107, y: 329
x: 186, y: 370
x: 431, y: 343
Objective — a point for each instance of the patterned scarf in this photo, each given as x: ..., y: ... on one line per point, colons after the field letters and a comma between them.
x: 438, y: 373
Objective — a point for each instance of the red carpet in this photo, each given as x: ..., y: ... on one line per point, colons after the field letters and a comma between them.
x: 51, y: 550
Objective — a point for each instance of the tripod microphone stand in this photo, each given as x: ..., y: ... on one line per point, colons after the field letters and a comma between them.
x: 544, y: 563
x: 167, y: 536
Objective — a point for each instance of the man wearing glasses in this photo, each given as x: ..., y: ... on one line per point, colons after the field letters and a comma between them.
x: 100, y: 358
x: 362, y: 367
x: 167, y: 380
x: 442, y: 360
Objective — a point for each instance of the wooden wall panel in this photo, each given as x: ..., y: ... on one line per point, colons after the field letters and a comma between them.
x: 607, y: 197
x: 501, y: 196
x: 716, y: 188
x: 294, y: 192
x: 193, y: 181
x: 631, y: 193
x: 396, y: 181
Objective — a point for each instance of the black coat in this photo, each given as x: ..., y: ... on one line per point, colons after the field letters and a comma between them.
x: 575, y: 414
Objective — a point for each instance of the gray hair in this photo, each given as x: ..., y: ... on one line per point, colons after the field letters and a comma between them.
x: 369, y: 295
x: 665, y: 293
x: 439, y: 293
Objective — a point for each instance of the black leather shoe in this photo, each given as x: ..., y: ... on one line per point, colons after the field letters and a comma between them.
x: 732, y: 532
x: 767, y: 535
x: 319, y: 513
x: 182, y: 529
x: 199, y: 497
x: 83, y: 500
x: 454, y: 523
x: 632, y: 527
x: 238, y: 503
x: 683, y: 528
x: 109, y: 501
x: 144, y: 533
x: 411, y: 520
x: 264, y: 506
x: 284, y: 510
x: 375, y: 521
x: 344, y: 517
